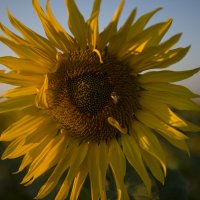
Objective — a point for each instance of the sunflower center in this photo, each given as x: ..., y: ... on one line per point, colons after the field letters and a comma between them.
x: 90, y: 92
x: 83, y: 93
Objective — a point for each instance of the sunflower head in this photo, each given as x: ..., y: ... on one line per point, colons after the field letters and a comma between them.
x: 88, y: 101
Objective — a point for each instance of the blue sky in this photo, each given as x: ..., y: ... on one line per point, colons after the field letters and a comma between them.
x: 185, y: 14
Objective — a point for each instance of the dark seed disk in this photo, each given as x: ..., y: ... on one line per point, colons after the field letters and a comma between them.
x: 83, y: 93
x: 90, y: 92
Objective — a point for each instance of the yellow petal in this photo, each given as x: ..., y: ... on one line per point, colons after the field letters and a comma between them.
x: 47, y: 143
x: 42, y: 141
x: 182, y: 124
x: 33, y: 37
x: 116, y: 124
x: 18, y: 150
x: 93, y: 166
x: 178, y: 102
x: 133, y: 155
x: 28, y: 136
x: 16, y: 104
x: 171, y: 88
x: 120, y: 37
x: 155, y: 123
x: 139, y: 42
x: 20, y: 91
x: 99, y: 55
x: 97, y: 165
x: 103, y: 166
x: 60, y: 168
x: 151, y: 54
x: 164, y: 60
x: 154, y: 166
x: 76, y: 23
x: 27, y: 159
x: 48, y: 129
x: 111, y: 29
x: 166, y: 76
x: 180, y: 144
x: 23, y: 65
x: 25, y: 126
x: 50, y: 159
x: 139, y: 25
x: 162, y: 111
x: 92, y: 22
x: 27, y: 52
x: 41, y: 98
x: 12, y: 35
x: 149, y: 143
x: 75, y: 163
x: 79, y: 181
x: 52, y: 29
x: 18, y: 79
x: 118, y: 166
x: 12, y: 147
x: 159, y: 35
x: 68, y: 42
x: 31, y: 156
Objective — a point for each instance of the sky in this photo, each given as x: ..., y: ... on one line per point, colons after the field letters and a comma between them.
x: 185, y: 14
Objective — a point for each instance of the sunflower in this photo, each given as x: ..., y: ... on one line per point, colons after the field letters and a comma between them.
x: 88, y: 101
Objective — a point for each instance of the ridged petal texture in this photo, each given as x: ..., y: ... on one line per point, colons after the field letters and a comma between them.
x: 38, y: 138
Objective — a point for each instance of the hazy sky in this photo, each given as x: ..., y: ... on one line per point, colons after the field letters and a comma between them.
x: 185, y: 14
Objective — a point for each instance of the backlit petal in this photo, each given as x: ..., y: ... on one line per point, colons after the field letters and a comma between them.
x: 133, y: 155
x: 155, y: 123
x: 76, y: 23
x: 166, y: 76
x: 118, y: 165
